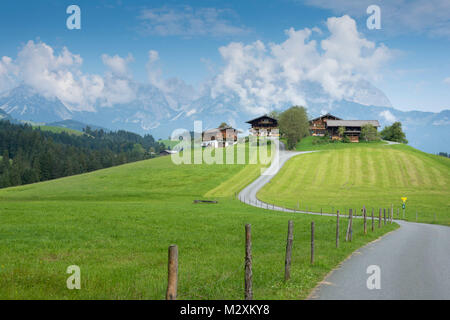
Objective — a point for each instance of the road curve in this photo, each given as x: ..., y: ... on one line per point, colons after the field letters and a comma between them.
x: 414, y: 260
x: 414, y: 263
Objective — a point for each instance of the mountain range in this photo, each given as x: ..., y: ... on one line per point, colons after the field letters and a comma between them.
x: 159, y: 112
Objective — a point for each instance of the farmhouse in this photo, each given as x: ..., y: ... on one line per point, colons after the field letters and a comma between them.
x: 219, y: 137
x: 318, y: 126
x: 264, y: 126
x: 167, y: 152
x: 329, y: 124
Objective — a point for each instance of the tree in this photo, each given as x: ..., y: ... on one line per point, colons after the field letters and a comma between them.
x: 341, y: 131
x: 274, y: 114
x: 294, y: 125
x: 223, y: 125
x: 369, y: 133
x: 394, y: 133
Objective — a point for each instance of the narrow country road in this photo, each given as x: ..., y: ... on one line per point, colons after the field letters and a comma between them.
x: 414, y: 260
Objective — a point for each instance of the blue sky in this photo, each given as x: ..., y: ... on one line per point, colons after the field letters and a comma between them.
x: 414, y: 73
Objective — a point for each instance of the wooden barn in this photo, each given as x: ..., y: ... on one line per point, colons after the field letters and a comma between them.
x: 264, y: 126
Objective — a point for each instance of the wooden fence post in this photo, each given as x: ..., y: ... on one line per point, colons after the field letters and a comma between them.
x: 372, y: 220
x: 392, y: 212
x: 337, y: 229
x: 248, y: 263
x: 365, y: 220
x: 287, y: 262
x: 348, y: 227
x: 348, y: 236
x: 312, y: 242
x: 384, y: 216
x: 351, y: 225
x: 379, y: 219
x: 172, y: 283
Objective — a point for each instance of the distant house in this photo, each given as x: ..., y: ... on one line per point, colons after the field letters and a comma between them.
x: 219, y: 137
x: 318, y: 126
x: 264, y: 126
x: 352, y: 128
x: 329, y: 124
x: 167, y: 152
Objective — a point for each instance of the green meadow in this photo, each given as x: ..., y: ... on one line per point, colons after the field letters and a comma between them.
x: 55, y: 129
x: 374, y: 175
x: 116, y: 224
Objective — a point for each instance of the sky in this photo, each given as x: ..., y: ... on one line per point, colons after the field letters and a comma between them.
x: 122, y: 42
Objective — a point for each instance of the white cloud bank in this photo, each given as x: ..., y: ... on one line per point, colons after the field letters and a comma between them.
x: 268, y: 76
x: 263, y: 76
x: 59, y: 75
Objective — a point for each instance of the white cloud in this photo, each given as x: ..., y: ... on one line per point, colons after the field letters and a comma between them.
x: 388, y: 116
x: 117, y: 64
x: 59, y: 75
x: 187, y: 22
x: 8, y: 74
x: 430, y: 17
x: 268, y: 76
x: 447, y: 80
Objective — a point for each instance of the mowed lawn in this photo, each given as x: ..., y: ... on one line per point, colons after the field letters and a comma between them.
x: 116, y: 224
x: 342, y: 176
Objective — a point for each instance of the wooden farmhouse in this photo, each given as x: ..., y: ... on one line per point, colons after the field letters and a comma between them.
x: 318, y: 126
x: 329, y: 124
x: 219, y: 137
x: 264, y: 126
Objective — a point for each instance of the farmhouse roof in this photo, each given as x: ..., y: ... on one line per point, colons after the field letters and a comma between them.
x: 351, y: 123
x: 264, y: 116
x: 326, y: 115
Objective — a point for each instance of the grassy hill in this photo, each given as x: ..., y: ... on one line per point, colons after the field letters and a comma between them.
x: 55, y: 129
x: 117, y: 223
x: 374, y: 175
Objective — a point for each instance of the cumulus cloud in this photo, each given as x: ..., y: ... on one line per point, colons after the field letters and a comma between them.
x: 430, y: 17
x: 388, y: 116
x: 59, y: 75
x: 188, y: 22
x: 8, y: 74
x: 269, y: 76
x: 118, y: 65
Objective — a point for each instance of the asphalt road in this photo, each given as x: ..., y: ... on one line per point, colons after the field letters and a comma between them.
x: 413, y: 261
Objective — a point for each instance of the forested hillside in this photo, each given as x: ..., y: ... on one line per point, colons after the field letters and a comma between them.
x: 32, y: 155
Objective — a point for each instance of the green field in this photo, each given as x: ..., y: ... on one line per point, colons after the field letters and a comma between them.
x: 58, y: 130
x: 117, y: 223
x: 375, y: 175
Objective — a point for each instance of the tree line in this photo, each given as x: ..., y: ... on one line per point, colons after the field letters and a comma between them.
x: 31, y: 155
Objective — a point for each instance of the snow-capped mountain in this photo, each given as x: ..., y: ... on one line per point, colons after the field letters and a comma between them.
x: 24, y: 103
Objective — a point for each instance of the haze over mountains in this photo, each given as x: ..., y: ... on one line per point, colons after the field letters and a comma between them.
x: 160, y: 112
